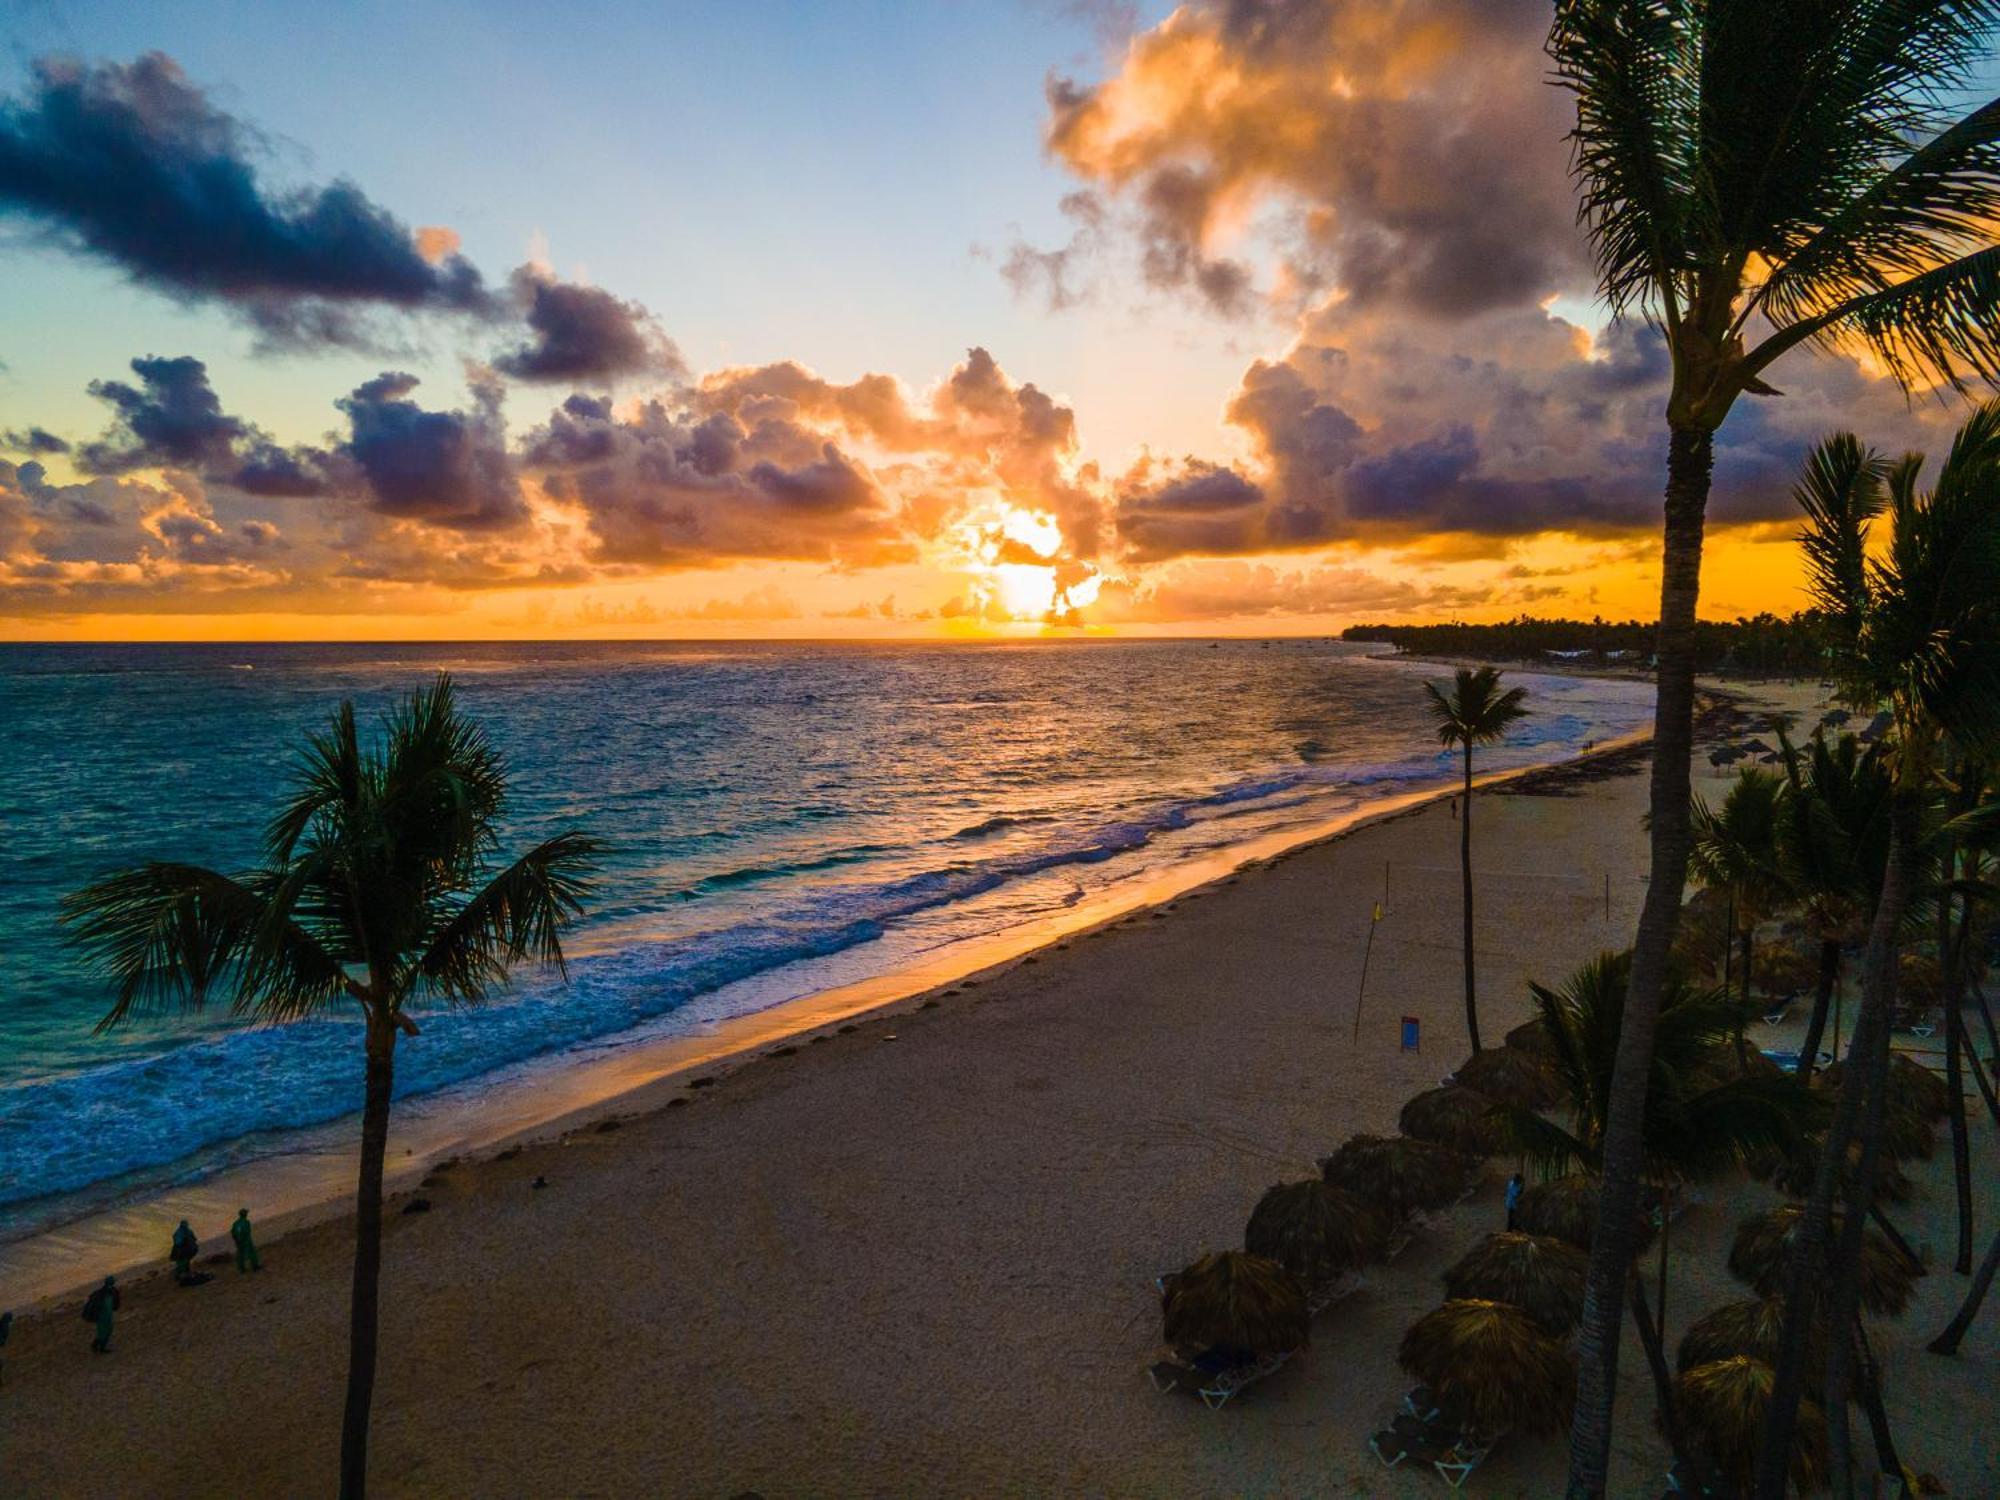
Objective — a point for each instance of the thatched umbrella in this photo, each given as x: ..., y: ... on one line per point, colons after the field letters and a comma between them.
x: 1762, y: 1251
x: 1543, y: 1277
x: 1723, y: 1064
x: 1913, y: 1088
x: 1533, y: 1038
x: 1793, y: 1175
x: 1511, y: 1075
x: 1398, y: 1175
x: 1493, y: 1362
x: 1235, y: 1303
x: 1752, y: 1328
x: 1566, y: 1209
x: 1317, y: 1232
x: 1457, y: 1118
x: 1720, y: 1407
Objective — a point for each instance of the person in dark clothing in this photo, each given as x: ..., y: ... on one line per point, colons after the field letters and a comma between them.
x: 246, y: 1247
x: 99, y: 1308
x: 1513, y: 1199
x: 186, y: 1247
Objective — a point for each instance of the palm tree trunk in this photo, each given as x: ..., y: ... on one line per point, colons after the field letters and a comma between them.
x: 1951, y: 953
x: 365, y: 1306
x: 1654, y: 1343
x: 1947, y: 1342
x: 1829, y: 971
x: 1690, y: 459
x: 1886, y: 1457
x: 1860, y: 1106
x: 1747, y: 939
x: 1979, y: 1077
x: 1465, y: 872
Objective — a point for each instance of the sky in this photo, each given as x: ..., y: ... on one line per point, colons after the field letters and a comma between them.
x: 641, y: 319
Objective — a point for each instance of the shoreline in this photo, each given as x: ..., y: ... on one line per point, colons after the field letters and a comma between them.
x: 540, y: 1099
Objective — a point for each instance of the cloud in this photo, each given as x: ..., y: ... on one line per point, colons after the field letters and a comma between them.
x: 33, y: 440
x: 1414, y: 150
x: 582, y: 333
x: 132, y: 165
x: 171, y: 418
x: 449, y: 469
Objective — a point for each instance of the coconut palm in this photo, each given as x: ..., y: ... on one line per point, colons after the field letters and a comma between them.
x: 1834, y: 841
x: 1736, y: 851
x: 1316, y: 1231
x: 379, y: 893
x: 1474, y: 712
x: 1916, y: 629
x: 1755, y: 178
x: 1494, y: 1363
x: 1540, y: 1275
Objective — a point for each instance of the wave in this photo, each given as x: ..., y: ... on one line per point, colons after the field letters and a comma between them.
x: 235, y: 1094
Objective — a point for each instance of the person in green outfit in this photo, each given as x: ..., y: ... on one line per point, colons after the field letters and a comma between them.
x: 98, y: 1309
x: 246, y: 1247
x: 185, y: 1248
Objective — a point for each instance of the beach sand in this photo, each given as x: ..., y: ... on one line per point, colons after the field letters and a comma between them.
x: 914, y: 1255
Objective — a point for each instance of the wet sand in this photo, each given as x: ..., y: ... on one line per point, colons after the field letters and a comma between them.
x: 912, y: 1254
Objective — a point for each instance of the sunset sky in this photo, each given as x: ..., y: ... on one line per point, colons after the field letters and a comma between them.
x: 453, y: 320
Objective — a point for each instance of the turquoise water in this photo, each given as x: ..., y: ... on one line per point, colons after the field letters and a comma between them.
x: 767, y: 805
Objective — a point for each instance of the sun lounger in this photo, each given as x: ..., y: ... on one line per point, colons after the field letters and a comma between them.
x: 1425, y: 1442
x: 1917, y: 1022
x: 1423, y: 1404
x: 1778, y: 1013
x: 1215, y: 1387
x: 1323, y: 1297
x: 1467, y: 1454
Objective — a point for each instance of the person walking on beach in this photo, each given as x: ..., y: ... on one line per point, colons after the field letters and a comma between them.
x: 1513, y: 1199
x: 246, y: 1247
x: 99, y: 1308
x: 186, y: 1247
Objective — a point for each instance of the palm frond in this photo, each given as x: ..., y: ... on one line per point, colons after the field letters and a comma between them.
x: 166, y: 935
x: 1840, y: 492
x: 520, y: 913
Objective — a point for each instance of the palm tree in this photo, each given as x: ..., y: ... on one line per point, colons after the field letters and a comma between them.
x: 378, y: 892
x: 1918, y: 632
x: 1474, y: 712
x: 1735, y: 851
x: 1696, y: 1126
x: 1754, y: 178
x: 1833, y: 840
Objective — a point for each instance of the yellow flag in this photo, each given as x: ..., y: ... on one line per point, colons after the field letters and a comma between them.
x: 1378, y: 912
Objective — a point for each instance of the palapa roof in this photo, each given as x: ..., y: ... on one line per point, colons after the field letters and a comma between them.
x: 1399, y: 1176
x: 1512, y: 1075
x: 1720, y: 1407
x: 1493, y: 1362
x: 1761, y: 1254
x: 1913, y: 1088
x: 1455, y: 1117
x: 1235, y: 1301
x: 1565, y: 1208
x: 1533, y: 1038
x: 1754, y: 1328
x: 1542, y: 1276
x: 1316, y: 1231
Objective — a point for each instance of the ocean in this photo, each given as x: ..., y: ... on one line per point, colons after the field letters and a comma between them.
x: 781, y: 817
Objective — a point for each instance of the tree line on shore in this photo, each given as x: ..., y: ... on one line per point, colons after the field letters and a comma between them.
x: 1762, y: 645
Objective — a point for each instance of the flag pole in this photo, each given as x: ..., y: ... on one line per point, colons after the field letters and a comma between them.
x: 1368, y: 951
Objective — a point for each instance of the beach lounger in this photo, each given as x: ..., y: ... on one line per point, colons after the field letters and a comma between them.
x: 1426, y: 1442
x: 1323, y: 1297
x: 1425, y: 1405
x: 1215, y: 1387
x: 1466, y: 1455
x: 1777, y: 1015
x: 1398, y: 1243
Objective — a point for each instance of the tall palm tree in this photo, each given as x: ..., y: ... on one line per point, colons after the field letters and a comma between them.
x: 1736, y: 851
x: 1474, y: 712
x: 377, y: 892
x: 1918, y: 632
x: 1834, y: 841
x: 1755, y: 177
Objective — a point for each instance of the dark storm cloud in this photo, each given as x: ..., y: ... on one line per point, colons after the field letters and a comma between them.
x: 449, y: 469
x: 171, y: 418
x: 583, y: 333
x: 36, y: 440
x: 131, y: 164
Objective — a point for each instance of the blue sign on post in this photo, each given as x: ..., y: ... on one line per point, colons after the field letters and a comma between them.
x: 1411, y: 1027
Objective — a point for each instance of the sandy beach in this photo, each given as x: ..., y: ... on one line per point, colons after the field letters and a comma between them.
x: 913, y: 1254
